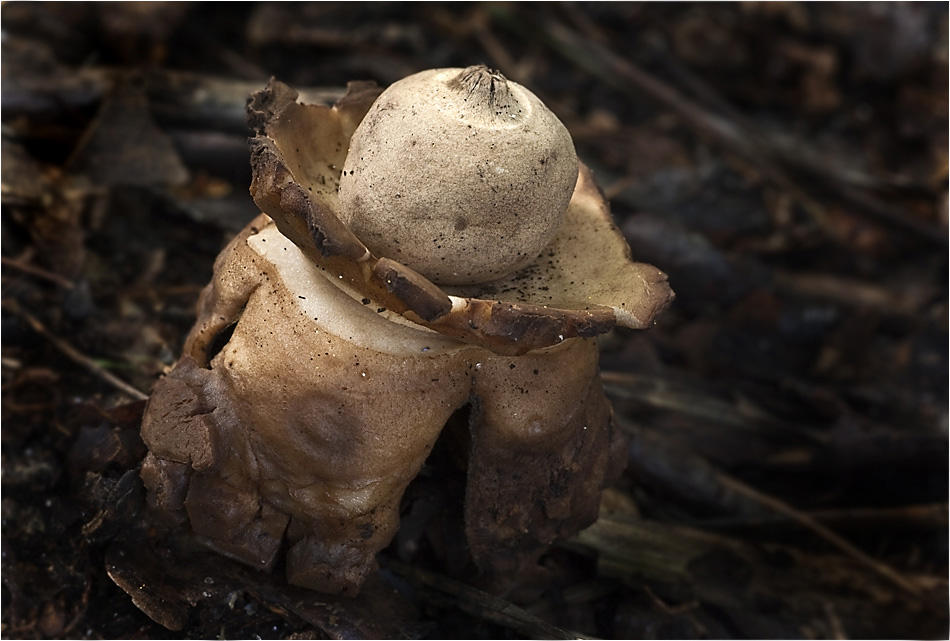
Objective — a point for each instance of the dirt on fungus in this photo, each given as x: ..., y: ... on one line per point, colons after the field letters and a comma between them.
x: 784, y: 163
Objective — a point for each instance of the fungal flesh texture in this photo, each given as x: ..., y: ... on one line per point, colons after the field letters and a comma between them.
x: 302, y: 431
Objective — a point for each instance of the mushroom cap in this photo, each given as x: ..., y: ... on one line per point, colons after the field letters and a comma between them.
x: 459, y: 174
x: 582, y: 284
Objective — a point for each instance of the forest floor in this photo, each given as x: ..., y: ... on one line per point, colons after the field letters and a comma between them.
x: 785, y: 163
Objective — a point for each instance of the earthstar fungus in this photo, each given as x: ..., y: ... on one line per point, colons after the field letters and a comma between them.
x: 320, y: 374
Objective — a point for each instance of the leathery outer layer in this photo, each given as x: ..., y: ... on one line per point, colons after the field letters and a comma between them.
x: 306, y: 425
x: 319, y: 376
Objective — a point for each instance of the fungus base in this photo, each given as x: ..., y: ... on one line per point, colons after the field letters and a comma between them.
x: 299, y: 414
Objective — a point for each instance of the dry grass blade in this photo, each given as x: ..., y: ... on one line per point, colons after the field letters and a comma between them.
x: 38, y: 272
x: 733, y: 136
x: 73, y: 354
x: 182, y: 98
x: 483, y: 605
x: 911, y: 517
x: 669, y: 395
x: 735, y: 577
x: 808, y: 522
x: 716, y: 410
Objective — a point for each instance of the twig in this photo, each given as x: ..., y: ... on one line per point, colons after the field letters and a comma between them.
x: 36, y: 271
x: 73, y: 354
x: 790, y: 149
x: 837, y: 629
x: 926, y: 516
x: 481, y: 604
x: 858, y: 294
x: 669, y: 395
x: 808, y: 522
x: 739, y: 137
x: 671, y: 610
x: 181, y: 98
x: 727, y: 485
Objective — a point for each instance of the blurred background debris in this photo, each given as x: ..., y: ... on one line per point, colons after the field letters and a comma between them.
x: 786, y: 163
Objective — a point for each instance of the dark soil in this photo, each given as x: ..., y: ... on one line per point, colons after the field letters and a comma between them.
x: 785, y: 163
